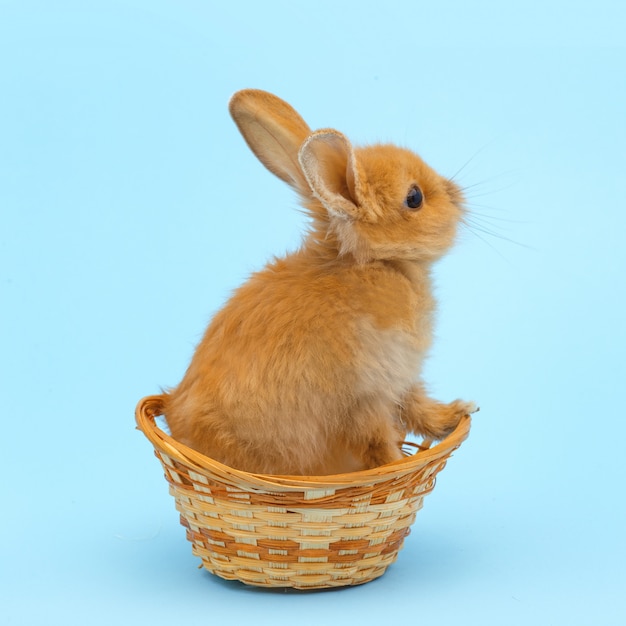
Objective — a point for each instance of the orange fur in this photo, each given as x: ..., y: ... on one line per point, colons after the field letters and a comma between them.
x: 313, y: 366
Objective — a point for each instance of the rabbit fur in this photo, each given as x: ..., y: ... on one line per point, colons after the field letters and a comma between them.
x: 313, y: 366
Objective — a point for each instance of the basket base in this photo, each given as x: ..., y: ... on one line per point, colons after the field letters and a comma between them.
x: 321, y: 568
x: 270, y: 577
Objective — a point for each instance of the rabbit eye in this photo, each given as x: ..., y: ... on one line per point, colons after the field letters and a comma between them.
x: 414, y: 198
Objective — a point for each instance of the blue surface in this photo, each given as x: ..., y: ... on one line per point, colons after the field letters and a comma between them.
x: 130, y: 207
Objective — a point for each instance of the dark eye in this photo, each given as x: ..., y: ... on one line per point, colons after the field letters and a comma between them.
x: 414, y: 198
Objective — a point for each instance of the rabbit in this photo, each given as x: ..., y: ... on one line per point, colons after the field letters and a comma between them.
x: 313, y: 366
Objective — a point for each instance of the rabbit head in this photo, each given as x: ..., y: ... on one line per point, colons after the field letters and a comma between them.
x: 377, y: 202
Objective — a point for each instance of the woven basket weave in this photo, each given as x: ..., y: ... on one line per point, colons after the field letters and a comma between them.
x: 295, y: 531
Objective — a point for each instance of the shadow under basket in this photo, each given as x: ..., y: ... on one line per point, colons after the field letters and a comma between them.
x: 303, y: 532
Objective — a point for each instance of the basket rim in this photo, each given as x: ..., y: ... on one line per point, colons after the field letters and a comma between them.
x: 149, y: 407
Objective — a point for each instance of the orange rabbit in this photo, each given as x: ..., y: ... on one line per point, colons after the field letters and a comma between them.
x: 313, y: 365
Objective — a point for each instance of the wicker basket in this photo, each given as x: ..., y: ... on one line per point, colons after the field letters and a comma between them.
x: 295, y: 531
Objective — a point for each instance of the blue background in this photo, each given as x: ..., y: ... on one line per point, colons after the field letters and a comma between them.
x: 130, y: 207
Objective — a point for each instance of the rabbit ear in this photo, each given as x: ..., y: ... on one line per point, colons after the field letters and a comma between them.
x: 328, y: 162
x: 274, y: 131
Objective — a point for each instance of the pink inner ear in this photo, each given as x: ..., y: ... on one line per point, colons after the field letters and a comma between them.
x: 274, y: 131
x: 327, y: 161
